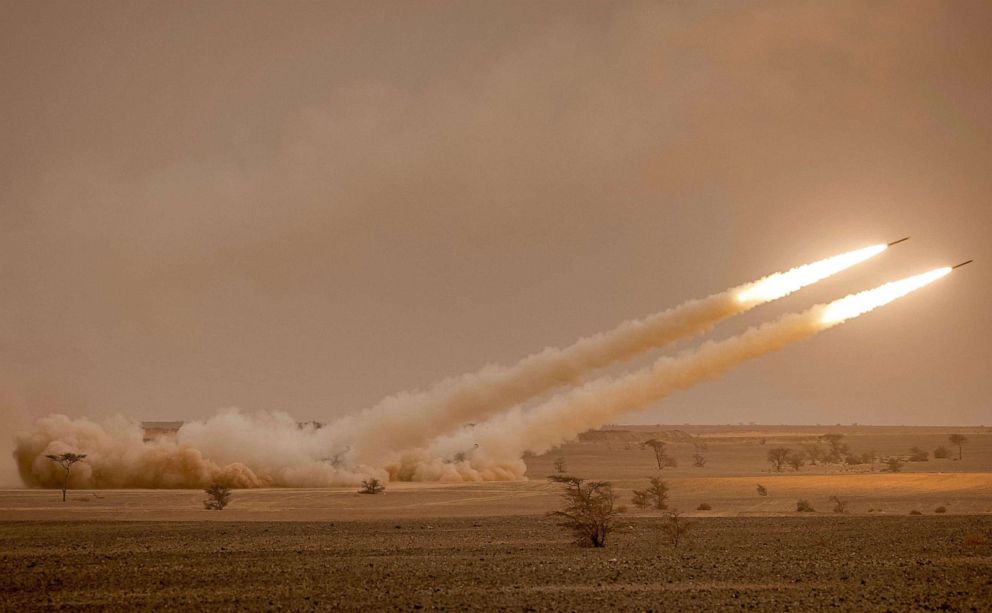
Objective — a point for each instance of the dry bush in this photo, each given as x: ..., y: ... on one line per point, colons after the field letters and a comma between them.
x: 893, y: 465
x: 941, y: 509
x: 372, y: 486
x: 803, y: 506
x: 698, y: 460
x: 560, y: 465
x: 762, y: 490
x: 915, y: 512
x: 976, y: 538
x: 590, y: 509
x: 796, y: 460
x: 675, y: 528
x: 218, y: 496
x: 840, y: 506
x: 918, y: 455
x: 704, y: 506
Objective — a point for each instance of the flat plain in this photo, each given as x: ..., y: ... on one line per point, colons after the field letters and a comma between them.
x: 492, y: 545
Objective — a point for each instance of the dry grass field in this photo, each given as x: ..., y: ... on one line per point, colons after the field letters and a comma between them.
x: 492, y: 546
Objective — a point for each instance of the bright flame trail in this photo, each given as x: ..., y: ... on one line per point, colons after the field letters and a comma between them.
x: 409, y: 420
x: 502, y: 440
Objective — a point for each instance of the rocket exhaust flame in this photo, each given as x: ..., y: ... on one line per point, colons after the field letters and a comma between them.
x: 411, y: 419
x: 270, y: 449
x: 503, y: 439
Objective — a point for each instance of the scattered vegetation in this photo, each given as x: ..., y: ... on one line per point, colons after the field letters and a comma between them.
x: 915, y: 512
x: 66, y: 460
x: 560, y: 465
x: 698, y: 460
x: 977, y: 538
x: 840, y: 506
x: 917, y: 454
x: 941, y: 453
x: 959, y: 440
x: 372, y: 486
x: 837, y: 449
x: 590, y: 509
x: 675, y: 528
x: 762, y: 491
x: 704, y: 506
x: 778, y: 456
x: 655, y: 495
x: 218, y: 497
x: 796, y: 460
x: 893, y: 465
x: 813, y: 452
x: 803, y: 506
x: 941, y: 509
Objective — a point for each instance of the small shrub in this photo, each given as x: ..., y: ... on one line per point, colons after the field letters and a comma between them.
x: 915, y: 512
x: 840, y: 506
x: 698, y: 460
x: 704, y: 506
x: 893, y: 465
x: 874, y: 509
x: 560, y: 465
x: 853, y: 460
x: 803, y: 506
x: 941, y: 453
x: 372, y: 486
x: 675, y: 528
x: 976, y: 538
x: 762, y: 491
x: 218, y: 497
x: 918, y: 455
x: 941, y: 509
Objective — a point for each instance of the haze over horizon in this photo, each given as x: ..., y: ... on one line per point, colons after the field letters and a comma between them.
x: 308, y: 207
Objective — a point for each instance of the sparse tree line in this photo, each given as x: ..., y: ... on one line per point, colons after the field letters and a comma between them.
x: 836, y: 451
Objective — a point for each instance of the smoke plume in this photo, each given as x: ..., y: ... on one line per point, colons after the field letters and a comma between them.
x: 495, y: 447
x: 393, y: 438
x: 410, y: 419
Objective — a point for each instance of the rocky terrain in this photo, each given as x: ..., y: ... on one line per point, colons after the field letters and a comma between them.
x: 509, y: 563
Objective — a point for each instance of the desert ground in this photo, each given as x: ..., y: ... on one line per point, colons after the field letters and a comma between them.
x: 493, y: 546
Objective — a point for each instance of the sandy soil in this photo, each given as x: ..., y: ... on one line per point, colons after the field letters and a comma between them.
x: 511, y: 563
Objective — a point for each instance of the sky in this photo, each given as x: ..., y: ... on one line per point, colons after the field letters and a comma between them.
x: 307, y: 206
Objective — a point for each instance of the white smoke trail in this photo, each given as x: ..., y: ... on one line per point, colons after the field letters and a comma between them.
x: 409, y: 420
x: 272, y: 450
x: 494, y: 448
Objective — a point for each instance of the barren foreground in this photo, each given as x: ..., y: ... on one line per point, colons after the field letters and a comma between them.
x: 862, y: 563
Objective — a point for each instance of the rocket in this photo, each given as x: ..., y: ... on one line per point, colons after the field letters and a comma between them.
x: 905, y: 238
x: 961, y: 264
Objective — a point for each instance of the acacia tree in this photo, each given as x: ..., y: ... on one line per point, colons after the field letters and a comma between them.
x: 778, y: 456
x: 560, y: 465
x: 658, y: 447
x: 654, y: 495
x: 66, y: 460
x: 590, y: 509
x: 814, y: 452
x: 837, y: 449
x: 959, y: 440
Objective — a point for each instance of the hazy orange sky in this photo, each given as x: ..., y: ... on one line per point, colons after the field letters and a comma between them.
x: 306, y: 206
